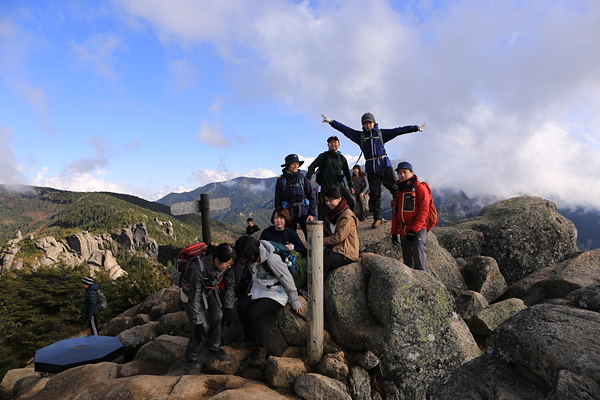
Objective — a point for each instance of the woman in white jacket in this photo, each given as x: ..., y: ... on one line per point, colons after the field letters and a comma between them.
x: 272, y: 287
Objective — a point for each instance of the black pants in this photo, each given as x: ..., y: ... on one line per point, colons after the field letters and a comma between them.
x: 388, y: 178
x: 293, y: 225
x: 333, y: 261
x: 252, y: 313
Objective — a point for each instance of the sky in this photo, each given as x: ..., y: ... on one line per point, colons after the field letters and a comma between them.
x: 148, y: 97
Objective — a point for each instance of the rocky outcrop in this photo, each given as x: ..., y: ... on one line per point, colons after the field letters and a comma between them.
x: 523, y: 234
x: 549, y: 351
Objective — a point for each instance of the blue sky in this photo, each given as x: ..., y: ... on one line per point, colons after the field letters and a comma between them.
x: 147, y: 97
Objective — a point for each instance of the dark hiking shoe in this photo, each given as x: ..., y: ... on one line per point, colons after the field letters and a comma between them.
x: 245, y: 345
x: 259, y: 356
x: 376, y: 223
x: 219, y: 354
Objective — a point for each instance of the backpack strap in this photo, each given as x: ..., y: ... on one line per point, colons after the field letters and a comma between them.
x: 364, y: 138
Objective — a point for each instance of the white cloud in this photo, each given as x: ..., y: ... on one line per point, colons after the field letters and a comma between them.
x: 98, y: 53
x: 210, y: 135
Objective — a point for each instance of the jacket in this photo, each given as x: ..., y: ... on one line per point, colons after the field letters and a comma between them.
x: 294, y: 192
x: 372, y: 147
x: 333, y: 168
x: 361, y: 184
x: 274, y: 281
x: 410, y: 209
x: 200, y: 276
x: 284, y: 236
x: 90, y: 301
x: 345, y: 238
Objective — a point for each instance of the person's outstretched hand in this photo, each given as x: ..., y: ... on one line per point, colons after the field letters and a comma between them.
x: 325, y: 119
x: 422, y: 127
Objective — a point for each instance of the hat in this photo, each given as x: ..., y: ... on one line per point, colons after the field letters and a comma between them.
x: 88, y: 281
x: 290, y: 159
x: 367, y: 117
x: 404, y: 165
x: 332, y: 139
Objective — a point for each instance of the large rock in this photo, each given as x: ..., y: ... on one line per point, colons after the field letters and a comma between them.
x: 545, y: 351
x: 488, y: 319
x: 483, y: 275
x: 405, y: 316
x: 558, y: 280
x: 319, y: 387
x: 523, y: 234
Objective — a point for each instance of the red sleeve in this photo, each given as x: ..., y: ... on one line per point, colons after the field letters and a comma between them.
x: 423, y: 198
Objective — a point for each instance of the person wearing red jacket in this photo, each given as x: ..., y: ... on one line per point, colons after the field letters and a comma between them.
x: 410, y: 209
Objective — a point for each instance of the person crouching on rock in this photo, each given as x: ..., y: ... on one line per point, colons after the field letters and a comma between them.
x: 342, y: 241
x: 203, y: 307
x: 272, y: 287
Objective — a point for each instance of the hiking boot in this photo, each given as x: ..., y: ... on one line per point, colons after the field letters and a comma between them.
x: 376, y: 223
x: 219, y: 354
x: 259, y: 356
x: 245, y: 345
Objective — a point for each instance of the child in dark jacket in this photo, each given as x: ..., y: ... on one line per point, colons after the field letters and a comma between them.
x: 90, y: 303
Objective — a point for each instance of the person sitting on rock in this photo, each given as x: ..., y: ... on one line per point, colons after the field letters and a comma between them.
x: 272, y: 286
x: 342, y: 245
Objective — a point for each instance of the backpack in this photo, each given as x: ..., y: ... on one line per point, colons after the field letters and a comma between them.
x: 187, y: 254
x: 432, y: 217
x: 102, y: 303
x: 294, y: 261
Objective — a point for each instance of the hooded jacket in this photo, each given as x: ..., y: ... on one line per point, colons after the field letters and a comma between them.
x: 274, y: 281
x: 344, y: 239
x: 372, y: 147
x: 90, y: 301
x: 411, y: 208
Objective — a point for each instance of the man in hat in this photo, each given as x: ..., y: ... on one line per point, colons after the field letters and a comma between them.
x: 294, y: 192
x: 377, y: 166
x: 410, y: 211
x: 332, y: 168
x: 90, y: 303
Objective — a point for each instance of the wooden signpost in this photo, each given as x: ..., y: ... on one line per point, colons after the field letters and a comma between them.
x: 203, y: 206
x: 315, y: 292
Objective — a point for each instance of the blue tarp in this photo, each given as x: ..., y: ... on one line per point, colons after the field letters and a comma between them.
x: 70, y: 353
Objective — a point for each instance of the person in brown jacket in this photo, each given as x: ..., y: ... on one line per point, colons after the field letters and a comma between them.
x: 342, y: 245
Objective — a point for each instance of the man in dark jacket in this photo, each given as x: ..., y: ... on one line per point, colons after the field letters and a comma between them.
x: 378, y: 166
x: 332, y: 169
x: 90, y: 303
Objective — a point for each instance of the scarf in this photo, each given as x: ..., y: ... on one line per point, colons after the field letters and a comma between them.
x: 334, y: 213
x: 407, y: 184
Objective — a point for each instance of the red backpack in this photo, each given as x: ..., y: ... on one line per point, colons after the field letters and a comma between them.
x: 189, y: 252
x: 432, y: 217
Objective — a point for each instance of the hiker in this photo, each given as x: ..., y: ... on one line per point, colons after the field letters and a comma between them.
x: 294, y: 192
x: 332, y: 168
x: 361, y: 192
x: 90, y: 303
x: 280, y: 233
x: 203, y: 277
x: 272, y: 286
x: 251, y: 228
x: 410, y: 211
x: 342, y: 243
x: 377, y: 166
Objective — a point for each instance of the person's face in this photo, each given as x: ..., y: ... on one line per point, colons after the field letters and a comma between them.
x: 368, y: 125
x: 333, y: 145
x: 404, y: 174
x: 293, y: 167
x: 250, y: 223
x: 279, y: 222
x: 222, y: 266
x: 355, y: 171
x: 332, y: 203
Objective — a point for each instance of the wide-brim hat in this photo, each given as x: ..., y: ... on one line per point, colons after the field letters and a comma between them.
x: 290, y: 159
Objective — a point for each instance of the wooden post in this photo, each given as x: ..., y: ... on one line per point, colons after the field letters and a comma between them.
x: 315, y: 292
x: 205, y: 211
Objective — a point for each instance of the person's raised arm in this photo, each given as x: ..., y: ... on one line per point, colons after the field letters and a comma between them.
x: 325, y: 119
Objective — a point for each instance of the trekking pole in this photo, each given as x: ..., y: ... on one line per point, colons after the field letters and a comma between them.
x: 357, y: 160
x: 315, y: 316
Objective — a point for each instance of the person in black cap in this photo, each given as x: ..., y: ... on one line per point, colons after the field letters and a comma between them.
x: 90, y: 303
x: 378, y: 166
x: 294, y: 192
x: 409, y: 218
x: 331, y: 168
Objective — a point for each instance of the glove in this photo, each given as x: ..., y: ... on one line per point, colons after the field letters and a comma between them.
x: 227, y: 317
x: 325, y: 119
x: 395, y: 239
x: 410, y: 236
x: 422, y: 127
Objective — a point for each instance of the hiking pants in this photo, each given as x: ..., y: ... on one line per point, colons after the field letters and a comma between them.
x: 93, y: 323
x: 414, y: 253
x: 207, y: 333
x: 252, y: 314
x: 333, y: 261
x: 388, y: 178
x: 293, y: 225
